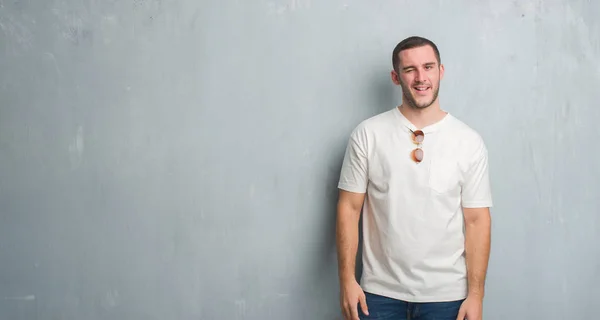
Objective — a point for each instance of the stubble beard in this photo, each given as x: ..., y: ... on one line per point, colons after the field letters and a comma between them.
x: 412, y: 102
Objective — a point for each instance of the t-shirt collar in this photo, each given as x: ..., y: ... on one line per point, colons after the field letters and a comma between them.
x: 407, y: 125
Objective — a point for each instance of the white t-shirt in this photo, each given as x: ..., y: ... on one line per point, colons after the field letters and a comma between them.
x: 413, y: 237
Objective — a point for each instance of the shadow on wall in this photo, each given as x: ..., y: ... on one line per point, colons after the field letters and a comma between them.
x: 385, y: 95
x: 325, y: 277
x: 382, y: 93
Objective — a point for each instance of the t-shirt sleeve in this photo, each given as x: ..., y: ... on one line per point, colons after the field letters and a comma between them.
x: 476, y: 190
x: 354, y: 173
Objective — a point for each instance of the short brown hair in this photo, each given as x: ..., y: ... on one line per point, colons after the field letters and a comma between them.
x: 413, y: 42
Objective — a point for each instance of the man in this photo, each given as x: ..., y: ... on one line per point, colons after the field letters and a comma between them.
x: 420, y: 178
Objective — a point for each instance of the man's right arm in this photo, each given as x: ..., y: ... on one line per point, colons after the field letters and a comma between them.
x: 353, y: 182
x: 348, y: 215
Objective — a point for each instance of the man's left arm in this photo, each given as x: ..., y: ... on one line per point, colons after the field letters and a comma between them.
x: 477, y: 248
x: 476, y: 203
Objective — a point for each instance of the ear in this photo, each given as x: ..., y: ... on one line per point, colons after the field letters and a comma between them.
x: 441, y: 71
x: 395, y: 77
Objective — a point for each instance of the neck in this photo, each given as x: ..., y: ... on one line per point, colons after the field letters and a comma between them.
x: 422, y: 117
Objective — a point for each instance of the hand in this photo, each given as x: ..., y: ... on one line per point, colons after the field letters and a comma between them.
x: 471, y: 309
x: 351, y: 295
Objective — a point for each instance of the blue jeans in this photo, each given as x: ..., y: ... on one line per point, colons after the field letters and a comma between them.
x: 381, y: 308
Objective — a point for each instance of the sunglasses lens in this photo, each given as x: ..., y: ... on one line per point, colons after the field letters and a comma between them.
x: 417, y: 155
x: 419, y: 136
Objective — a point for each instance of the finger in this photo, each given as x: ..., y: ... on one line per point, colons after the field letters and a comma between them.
x: 347, y: 313
x: 461, y: 314
x: 354, y: 311
x: 363, y: 304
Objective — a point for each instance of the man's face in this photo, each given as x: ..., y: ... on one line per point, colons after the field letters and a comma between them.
x: 419, y: 75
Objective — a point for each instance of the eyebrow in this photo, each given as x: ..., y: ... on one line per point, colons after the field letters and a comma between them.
x: 425, y: 64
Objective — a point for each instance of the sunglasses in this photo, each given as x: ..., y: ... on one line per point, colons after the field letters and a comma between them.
x: 417, y: 137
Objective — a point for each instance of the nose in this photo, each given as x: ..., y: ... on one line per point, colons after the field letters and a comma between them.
x: 420, y: 75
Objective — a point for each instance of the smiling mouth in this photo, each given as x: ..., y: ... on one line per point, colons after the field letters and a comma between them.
x: 421, y: 89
